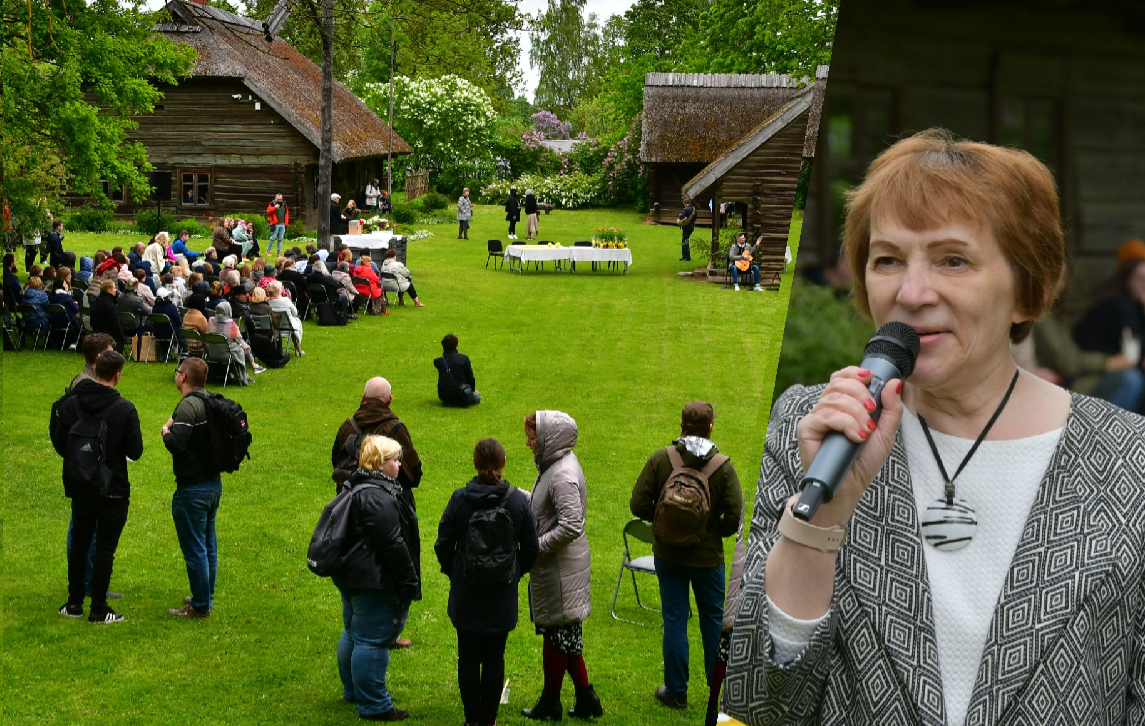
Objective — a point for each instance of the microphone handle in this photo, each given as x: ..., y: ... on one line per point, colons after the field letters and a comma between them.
x: 838, y: 453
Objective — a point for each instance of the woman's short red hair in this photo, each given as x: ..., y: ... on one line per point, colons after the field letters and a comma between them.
x: 933, y: 178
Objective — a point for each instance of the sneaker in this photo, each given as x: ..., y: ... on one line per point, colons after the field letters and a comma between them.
x: 109, y: 616
x: 758, y: 288
x: 259, y: 369
x: 394, y: 714
x: 188, y: 611
x: 72, y: 611
x: 737, y: 288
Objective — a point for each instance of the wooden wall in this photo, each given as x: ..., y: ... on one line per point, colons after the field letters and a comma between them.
x: 666, y: 183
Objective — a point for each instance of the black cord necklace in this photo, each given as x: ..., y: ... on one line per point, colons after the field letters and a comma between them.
x: 949, y: 523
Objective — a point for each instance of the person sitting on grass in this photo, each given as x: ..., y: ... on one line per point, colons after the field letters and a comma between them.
x: 287, y: 315
x: 483, y: 600
x: 455, y: 383
x: 179, y: 247
x: 378, y: 581
x: 403, y: 283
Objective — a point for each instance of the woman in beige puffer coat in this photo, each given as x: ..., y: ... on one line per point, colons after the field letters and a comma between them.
x: 559, y: 583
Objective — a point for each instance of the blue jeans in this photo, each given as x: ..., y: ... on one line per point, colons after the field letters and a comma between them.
x: 754, y: 271
x: 90, y: 553
x: 1122, y: 388
x: 194, y: 508
x: 277, y: 233
x: 708, y: 585
x: 372, y: 619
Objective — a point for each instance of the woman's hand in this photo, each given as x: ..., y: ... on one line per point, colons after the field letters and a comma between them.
x: 846, y: 406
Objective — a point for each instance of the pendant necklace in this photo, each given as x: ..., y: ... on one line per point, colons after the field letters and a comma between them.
x: 949, y: 523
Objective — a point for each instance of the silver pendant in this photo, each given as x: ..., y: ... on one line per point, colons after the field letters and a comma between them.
x: 949, y: 526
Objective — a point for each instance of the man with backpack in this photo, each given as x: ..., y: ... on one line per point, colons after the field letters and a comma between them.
x: 202, y: 446
x: 96, y: 431
x: 691, y: 494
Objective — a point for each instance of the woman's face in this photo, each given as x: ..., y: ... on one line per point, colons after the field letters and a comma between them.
x: 1136, y: 283
x: 390, y: 468
x: 954, y: 285
x: 531, y: 439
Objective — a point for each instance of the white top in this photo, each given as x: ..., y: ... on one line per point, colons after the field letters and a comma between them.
x: 372, y: 194
x: 1001, y: 482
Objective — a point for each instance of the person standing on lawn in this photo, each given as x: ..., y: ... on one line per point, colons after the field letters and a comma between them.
x: 688, y: 540
x: 513, y: 213
x: 532, y: 225
x: 95, y: 478
x: 198, y: 488
x: 687, y: 222
x: 464, y: 214
x: 277, y: 216
x: 486, y: 542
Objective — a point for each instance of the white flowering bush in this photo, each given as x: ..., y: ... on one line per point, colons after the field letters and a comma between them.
x: 419, y: 234
x: 571, y: 191
x: 448, y: 121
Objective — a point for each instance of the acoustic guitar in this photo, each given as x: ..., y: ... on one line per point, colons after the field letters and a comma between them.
x: 743, y: 265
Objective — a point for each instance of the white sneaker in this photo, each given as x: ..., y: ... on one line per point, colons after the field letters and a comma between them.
x: 737, y: 288
x: 758, y: 288
x: 259, y: 369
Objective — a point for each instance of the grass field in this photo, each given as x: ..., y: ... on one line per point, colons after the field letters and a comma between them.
x: 621, y: 354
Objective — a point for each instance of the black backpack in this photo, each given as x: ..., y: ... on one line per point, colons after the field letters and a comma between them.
x: 230, y: 436
x: 85, y: 453
x: 330, y: 546
x: 328, y: 315
x: 348, y: 454
x: 489, y: 546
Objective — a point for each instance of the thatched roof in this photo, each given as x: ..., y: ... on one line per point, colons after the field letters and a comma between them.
x: 743, y: 148
x: 231, y: 46
x: 694, y: 117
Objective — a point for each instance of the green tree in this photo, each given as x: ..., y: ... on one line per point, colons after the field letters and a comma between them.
x: 74, y: 74
x: 767, y: 36
x: 565, y: 46
x: 661, y: 28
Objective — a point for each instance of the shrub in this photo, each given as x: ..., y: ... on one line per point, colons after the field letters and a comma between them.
x: 571, y: 191
x: 145, y: 221
x: 823, y: 335
x: 804, y: 184
x: 497, y: 192
x: 701, y: 243
x: 89, y: 219
x: 261, y: 228
x: 433, y: 201
x: 404, y: 213
x: 295, y: 229
x: 194, y: 227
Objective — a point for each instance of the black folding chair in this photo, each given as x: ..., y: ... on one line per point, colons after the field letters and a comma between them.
x: 56, y: 313
x: 495, y: 250
x: 26, y: 313
x: 159, y: 322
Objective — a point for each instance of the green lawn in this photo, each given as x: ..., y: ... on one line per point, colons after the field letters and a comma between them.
x: 621, y: 354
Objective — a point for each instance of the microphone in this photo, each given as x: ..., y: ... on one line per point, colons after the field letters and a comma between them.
x: 890, y: 355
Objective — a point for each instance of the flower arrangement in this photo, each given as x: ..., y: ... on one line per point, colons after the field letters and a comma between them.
x: 610, y: 238
x: 374, y: 224
x: 419, y: 234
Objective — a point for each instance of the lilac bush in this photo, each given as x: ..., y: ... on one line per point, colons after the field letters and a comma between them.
x: 550, y: 126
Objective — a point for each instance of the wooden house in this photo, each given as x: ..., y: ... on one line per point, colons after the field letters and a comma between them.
x: 247, y: 124
x: 1062, y: 80
x: 760, y: 173
x: 693, y: 119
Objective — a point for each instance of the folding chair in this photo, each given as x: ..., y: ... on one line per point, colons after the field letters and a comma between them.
x: 159, y: 321
x: 57, y: 312
x: 392, y: 279
x: 25, y: 312
x: 495, y: 250
x: 218, y: 351
x: 582, y: 243
x: 264, y: 325
x: 640, y: 530
x: 192, y: 344
x: 12, y: 336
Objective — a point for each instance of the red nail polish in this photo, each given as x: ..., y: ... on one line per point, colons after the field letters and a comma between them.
x: 872, y: 425
x: 862, y: 434
x: 899, y: 388
x: 863, y: 373
x: 870, y: 404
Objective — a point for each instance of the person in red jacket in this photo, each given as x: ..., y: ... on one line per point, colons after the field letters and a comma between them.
x: 277, y: 216
x: 372, y: 288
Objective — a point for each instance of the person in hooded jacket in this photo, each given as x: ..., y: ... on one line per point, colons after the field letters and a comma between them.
x: 532, y: 227
x: 84, y: 272
x: 560, y: 583
x: 105, y: 313
x: 484, y: 614
x: 35, y: 296
x: 700, y: 564
x: 92, y: 510
x: 378, y: 581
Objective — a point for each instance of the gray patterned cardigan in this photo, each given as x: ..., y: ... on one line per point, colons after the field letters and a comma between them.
x: 1067, y: 640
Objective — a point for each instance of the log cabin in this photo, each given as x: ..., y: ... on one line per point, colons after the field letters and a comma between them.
x: 247, y: 125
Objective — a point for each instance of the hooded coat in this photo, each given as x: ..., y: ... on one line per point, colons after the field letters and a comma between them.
x: 560, y: 583
x: 124, y: 439
x: 488, y: 609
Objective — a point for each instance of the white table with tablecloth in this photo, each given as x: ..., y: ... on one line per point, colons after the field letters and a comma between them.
x: 373, y: 241
x: 596, y: 254
x: 540, y: 254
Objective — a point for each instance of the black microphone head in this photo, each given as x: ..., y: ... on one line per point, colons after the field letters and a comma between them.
x: 898, y: 343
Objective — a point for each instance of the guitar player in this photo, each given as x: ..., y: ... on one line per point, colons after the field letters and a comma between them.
x: 740, y: 260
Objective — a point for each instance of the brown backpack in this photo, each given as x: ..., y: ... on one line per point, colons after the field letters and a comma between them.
x: 685, y: 503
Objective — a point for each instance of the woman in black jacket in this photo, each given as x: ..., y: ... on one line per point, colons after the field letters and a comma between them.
x: 378, y: 581
x: 485, y: 558
x: 532, y: 225
x: 105, y: 313
x: 513, y: 213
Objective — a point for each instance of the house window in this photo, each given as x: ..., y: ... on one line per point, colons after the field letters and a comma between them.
x: 1033, y: 124
x: 115, y: 194
x: 195, y: 188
